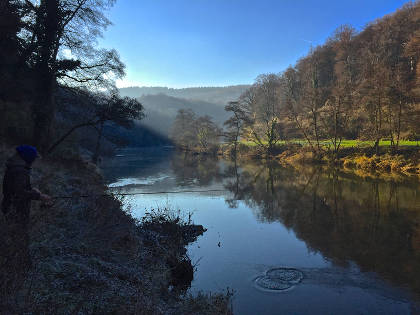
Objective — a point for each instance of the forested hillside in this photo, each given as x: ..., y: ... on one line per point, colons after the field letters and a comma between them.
x: 357, y: 85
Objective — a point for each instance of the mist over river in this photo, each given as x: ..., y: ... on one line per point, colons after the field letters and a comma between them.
x: 287, y: 241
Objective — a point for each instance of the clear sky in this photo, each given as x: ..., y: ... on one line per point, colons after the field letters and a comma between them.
x: 180, y: 43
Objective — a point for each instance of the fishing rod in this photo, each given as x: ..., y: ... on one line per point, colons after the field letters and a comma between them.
x: 139, y: 193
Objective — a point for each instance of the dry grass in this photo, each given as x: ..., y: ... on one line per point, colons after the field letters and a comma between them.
x: 383, y: 163
x: 406, y: 162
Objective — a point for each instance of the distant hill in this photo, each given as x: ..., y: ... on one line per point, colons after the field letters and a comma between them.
x: 161, y: 111
x: 162, y: 104
x: 217, y: 95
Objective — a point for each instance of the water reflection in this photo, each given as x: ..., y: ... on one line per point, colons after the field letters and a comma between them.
x: 192, y: 169
x: 267, y: 216
x: 374, y: 223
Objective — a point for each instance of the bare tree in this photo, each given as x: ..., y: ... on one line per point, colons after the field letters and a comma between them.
x: 337, y: 110
x: 190, y: 132
x: 104, y: 109
x: 183, y: 133
x: 235, y: 124
x: 207, y: 134
x: 291, y: 97
x: 265, y: 110
x: 373, y: 84
x: 59, y: 39
x: 412, y: 53
x: 316, y: 74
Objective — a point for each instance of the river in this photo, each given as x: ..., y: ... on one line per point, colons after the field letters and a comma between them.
x: 286, y: 241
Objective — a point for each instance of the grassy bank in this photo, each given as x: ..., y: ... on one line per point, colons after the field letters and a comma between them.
x: 91, y: 257
x: 354, y: 155
x: 345, y: 143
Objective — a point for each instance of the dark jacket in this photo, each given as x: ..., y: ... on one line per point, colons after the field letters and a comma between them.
x: 17, y: 190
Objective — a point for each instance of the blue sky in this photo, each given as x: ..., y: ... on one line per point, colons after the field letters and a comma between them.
x: 180, y: 43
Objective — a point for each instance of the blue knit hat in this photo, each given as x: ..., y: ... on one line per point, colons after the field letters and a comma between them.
x: 28, y: 153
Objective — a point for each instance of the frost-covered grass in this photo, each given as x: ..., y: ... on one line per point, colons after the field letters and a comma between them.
x: 89, y: 256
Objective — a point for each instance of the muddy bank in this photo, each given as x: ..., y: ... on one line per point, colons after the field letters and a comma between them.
x: 89, y: 257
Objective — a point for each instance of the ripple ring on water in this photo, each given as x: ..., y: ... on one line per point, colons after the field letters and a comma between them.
x: 279, y: 279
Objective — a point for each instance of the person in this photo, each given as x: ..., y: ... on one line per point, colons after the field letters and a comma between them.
x: 16, y: 204
x: 15, y: 259
x: 17, y: 190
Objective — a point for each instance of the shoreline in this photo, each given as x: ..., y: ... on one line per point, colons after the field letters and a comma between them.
x: 90, y: 256
x: 405, y: 162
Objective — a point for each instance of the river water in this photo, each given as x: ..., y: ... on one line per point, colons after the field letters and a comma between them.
x: 287, y: 241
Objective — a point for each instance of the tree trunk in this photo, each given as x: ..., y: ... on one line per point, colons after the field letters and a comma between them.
x: 376, y: 146
x: 378, y: 119
x: 315, y: 121
x: 68, y: 133
x: 44, y: 107
x: 235, y: 150
x: 399, y: 124
x: 98, y: 144
x: 304, y: 133
x: 44, y: 112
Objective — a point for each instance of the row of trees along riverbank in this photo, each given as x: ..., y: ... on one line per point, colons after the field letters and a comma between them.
x: 362, y: 85
x: 357, y: 85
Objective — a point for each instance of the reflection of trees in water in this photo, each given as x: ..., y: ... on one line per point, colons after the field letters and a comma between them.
x: 344, y: 217
x: 200, y: 170
x: 371, y: 222
x: 236, y: 183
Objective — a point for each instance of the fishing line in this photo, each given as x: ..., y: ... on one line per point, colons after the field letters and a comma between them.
x: 140, y: 193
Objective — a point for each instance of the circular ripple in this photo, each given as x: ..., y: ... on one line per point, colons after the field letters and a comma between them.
x: 279, y: 279
x: 265, y: 282
x: 289, y: 275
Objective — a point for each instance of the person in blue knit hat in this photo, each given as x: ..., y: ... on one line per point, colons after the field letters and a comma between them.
x: 18, y: 194
x: 17, y: 189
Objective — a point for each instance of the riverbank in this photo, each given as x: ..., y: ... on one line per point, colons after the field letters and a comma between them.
x: 363, y: 160
x: 89, y: 256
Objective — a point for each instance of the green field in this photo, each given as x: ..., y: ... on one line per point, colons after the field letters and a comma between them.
x: 347, y: 143
x: 382, y: 143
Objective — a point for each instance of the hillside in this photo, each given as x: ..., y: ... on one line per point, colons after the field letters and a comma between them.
x: 161, y: 104
x: 162, y: 108
x: 217, y: 95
